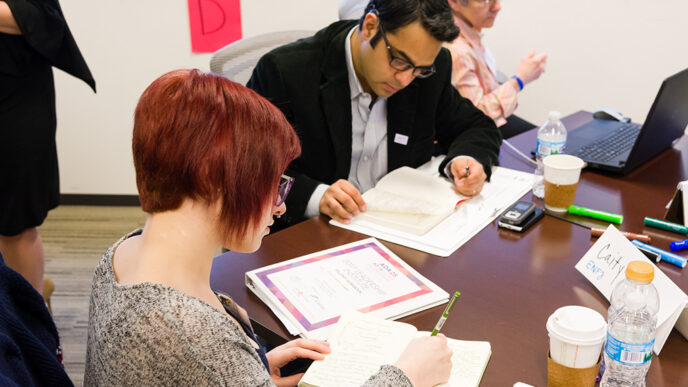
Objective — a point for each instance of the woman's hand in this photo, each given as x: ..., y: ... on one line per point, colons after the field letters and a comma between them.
x: 426, y: 361
x: 531, y: 67
x: 295, y: 349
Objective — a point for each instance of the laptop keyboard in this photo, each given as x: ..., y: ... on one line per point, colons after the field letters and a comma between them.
x: 618, y: 142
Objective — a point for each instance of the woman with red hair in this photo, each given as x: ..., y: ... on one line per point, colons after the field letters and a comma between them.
x: 209, y: 156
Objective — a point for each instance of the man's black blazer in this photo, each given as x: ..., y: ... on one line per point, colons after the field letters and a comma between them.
x: 308, y: 81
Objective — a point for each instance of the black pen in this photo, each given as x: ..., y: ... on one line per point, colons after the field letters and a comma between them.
x: 467, y: 169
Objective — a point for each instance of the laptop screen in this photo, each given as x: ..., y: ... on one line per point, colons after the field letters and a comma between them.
x: 665, y: 122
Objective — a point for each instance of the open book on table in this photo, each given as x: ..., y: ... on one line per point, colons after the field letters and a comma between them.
x: 505, y: 187
x: 361, y: 344
x: 409, y: 200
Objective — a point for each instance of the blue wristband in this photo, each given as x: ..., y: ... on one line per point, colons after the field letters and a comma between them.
x: 520, y: 82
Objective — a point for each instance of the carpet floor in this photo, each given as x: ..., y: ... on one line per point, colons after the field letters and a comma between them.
x: 74, y: 239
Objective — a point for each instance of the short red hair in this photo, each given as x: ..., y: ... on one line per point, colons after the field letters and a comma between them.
x: 204, y: 137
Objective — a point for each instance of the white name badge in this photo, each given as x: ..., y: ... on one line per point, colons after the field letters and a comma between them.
x: 400, y: 139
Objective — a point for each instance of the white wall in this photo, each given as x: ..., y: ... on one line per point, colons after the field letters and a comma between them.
x: 127, y: 44
x: 601, y: 53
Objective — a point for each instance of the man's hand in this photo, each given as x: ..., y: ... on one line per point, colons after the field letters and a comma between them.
x: 292, y: 350
x: 472, y: 184
x: 342, y: 201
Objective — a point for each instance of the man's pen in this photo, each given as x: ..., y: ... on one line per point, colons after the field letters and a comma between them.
x: 445, y: 314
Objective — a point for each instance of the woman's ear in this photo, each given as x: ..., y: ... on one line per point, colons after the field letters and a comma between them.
x: 455, y: 5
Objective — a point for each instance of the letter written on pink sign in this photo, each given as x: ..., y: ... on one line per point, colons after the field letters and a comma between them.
x: 214, y: 24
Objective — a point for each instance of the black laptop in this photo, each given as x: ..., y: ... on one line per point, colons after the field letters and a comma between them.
x: 623, y: 146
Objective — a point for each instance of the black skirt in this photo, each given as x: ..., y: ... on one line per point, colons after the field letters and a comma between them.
x: 29, y: 178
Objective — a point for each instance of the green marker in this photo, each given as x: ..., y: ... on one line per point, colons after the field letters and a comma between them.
x: 445, y: 314
x: 664, y: 225
x: 606, y: 216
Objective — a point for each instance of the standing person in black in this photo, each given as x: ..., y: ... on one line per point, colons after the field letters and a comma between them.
x: 371, y: 96
x: 34, y: 37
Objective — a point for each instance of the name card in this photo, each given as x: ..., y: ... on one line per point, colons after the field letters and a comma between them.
x: 604, y: 265
x: 677, y: 210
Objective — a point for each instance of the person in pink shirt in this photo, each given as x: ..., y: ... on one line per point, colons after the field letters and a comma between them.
x: 474, y: 70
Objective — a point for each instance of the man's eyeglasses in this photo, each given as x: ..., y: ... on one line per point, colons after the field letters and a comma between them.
x: 400, y: 64
x: 283, y: 189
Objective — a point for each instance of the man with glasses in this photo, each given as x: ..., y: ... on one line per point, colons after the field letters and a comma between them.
x: 369, y: 97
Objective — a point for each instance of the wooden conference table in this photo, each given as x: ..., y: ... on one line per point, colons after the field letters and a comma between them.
x: 509, y: 282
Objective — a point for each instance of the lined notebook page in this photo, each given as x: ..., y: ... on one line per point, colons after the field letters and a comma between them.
x: 361, y: 344
x: 468, y: 362
x: 359, y: 348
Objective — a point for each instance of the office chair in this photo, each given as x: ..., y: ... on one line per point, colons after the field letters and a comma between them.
x: 237, y: 60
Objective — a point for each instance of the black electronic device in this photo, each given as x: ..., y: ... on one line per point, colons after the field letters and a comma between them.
x: 536, y: 215
x: 517, y: 213
x: 620, y: 146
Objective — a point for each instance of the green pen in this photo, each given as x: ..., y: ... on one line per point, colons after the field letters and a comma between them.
x: 445, y: 314
x: 664, y: 225
x: 606, y: 216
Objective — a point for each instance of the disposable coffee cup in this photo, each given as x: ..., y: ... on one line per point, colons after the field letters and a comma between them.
x: 576, y: 336
x: 562, y: 173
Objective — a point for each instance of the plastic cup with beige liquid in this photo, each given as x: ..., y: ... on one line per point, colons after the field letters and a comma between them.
x: 562, y: 173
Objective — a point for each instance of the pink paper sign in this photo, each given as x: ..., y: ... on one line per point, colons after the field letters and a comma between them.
x: 214, y: 24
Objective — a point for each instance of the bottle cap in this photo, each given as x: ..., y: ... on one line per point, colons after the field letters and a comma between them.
x: 554, y: 115
x: 640, y: 271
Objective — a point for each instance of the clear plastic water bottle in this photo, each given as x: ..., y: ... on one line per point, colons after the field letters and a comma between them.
x: 631, y: 324
x: 551, y: 140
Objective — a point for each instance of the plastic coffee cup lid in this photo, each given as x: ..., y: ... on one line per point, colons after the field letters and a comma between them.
x: 577, y: 325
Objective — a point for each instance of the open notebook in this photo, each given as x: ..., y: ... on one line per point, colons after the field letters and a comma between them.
x: 505, y: 187
x: 361, y: 344
x: 409, y: 200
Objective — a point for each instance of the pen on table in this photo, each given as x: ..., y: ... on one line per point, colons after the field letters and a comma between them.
x: 445, y: 314
x: 651, y: 255
x: 665, y: 255
x: 596, y: 214
x: 664, y: 225
x: 597, y: 232
x: 678, y: 245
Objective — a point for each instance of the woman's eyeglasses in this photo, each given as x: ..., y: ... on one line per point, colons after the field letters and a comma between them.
x: 283, y: 189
